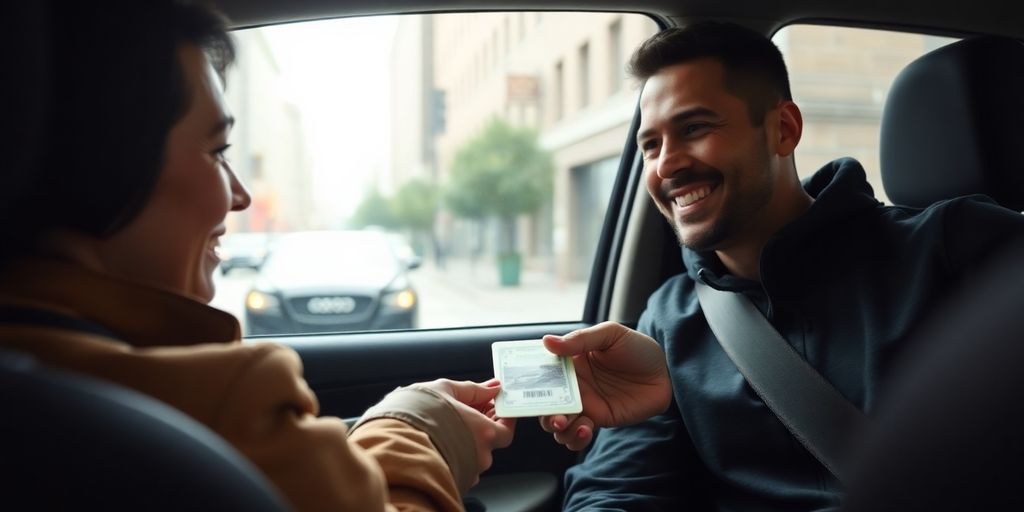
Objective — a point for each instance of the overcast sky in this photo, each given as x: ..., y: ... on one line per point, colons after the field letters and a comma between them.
x: 337, y: 74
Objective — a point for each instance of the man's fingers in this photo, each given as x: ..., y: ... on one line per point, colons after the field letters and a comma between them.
x: 556, y: 423
x: 602, y: 336
x: 577, y: 435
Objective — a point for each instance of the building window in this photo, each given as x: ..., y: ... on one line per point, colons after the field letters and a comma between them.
x: 508, y: 35
x: 584, y: 75
x: 494, y: 48
x: 558, y: 95
x: 616, y: 66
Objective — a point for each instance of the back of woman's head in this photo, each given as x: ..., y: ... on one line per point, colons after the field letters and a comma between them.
x: 116, y: 89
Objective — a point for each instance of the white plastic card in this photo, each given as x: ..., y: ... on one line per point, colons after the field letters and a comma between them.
x: 534, y: 382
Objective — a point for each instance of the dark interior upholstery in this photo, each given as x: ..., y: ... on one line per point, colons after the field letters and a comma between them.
x: 948, y: 436
x: 68, y: 442
x: 953, y: 125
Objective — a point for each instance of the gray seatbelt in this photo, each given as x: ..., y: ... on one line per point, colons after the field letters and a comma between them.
x: 824, y: 421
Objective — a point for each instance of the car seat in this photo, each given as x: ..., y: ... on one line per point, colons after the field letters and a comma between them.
x: 68, y: 441
x: 950, y: 433
x: 953, y: 124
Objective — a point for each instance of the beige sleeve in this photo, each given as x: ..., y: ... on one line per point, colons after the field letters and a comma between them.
x: 270, y: 416
x: 417, y: 477
x: 433, y: 414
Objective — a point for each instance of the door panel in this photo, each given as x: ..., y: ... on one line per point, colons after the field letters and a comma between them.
x: 351, y: 372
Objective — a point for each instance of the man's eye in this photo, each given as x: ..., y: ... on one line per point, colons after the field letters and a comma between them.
x: 695, y: 128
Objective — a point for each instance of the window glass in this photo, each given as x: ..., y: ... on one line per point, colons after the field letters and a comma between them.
x: 423, y: 171
x: 840, y: 78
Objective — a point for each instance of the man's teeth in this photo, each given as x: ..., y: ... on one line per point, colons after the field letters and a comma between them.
x: 692, y: 197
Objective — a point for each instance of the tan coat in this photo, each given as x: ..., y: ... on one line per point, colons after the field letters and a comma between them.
x: 188, y: 355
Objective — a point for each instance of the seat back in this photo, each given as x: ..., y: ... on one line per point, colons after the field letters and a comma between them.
x: 948, y: 436
x: 953, y: 124
x: 70, y: 442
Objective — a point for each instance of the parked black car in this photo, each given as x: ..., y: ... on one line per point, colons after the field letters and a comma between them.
x: 332, y: 281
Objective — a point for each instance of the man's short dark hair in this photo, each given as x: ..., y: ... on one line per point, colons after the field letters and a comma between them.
x: 753, y: 65
x: 117, y: 87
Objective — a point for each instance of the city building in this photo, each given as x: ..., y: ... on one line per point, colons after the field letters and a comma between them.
x: 269, y: 151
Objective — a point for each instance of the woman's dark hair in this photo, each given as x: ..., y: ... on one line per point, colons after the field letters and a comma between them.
x: 117, y: 87
x: 753, y: 65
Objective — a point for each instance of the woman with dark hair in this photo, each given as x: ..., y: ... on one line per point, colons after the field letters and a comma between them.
x: 109, y: 256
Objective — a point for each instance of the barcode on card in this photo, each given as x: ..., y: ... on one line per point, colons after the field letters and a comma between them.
x: 538, y: 393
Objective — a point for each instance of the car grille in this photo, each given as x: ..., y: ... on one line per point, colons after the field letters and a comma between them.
x: 323, y: 309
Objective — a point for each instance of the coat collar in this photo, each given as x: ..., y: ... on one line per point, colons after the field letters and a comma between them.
x: 139, y: 315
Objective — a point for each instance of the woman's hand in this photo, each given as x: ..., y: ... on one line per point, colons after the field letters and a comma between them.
x: 475, y: 404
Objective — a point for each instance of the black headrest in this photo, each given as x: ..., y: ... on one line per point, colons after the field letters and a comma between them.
x: 953, y: 125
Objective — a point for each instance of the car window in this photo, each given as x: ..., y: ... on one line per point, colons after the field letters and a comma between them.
x: 476, y: 153
x: 840, y: 77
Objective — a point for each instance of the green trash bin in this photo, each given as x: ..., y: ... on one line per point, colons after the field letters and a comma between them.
x: 509, y: 266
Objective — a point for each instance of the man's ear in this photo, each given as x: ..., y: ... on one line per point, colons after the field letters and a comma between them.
x: 790, y: 127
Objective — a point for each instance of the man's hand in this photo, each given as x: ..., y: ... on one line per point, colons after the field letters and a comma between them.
x: 475, y: 403
x: 623, y: 380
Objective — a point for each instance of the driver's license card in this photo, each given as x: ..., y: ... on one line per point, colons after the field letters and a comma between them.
x: 534, y: 382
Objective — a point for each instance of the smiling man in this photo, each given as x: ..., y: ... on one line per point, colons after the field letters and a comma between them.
x: 843, y: 278
x: 719, y: 158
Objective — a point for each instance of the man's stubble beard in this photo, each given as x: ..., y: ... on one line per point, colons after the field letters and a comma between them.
x: 731, y: 217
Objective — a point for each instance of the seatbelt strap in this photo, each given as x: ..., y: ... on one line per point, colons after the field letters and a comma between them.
x: 824, y: 421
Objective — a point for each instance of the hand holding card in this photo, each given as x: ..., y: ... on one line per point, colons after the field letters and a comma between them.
x: 534, y: 382
x: 622, y: 376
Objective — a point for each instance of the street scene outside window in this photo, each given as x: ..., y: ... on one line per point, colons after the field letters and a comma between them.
x: 432, y: 171
x: 424, y: 171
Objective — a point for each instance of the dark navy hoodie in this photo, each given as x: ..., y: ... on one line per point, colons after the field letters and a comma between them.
x: 846, y: 284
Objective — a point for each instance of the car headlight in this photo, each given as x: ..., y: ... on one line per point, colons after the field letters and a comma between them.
x: 399, y: 301
x: 260, y: 302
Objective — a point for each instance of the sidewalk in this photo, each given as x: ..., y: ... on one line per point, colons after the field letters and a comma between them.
x: 464, y: 294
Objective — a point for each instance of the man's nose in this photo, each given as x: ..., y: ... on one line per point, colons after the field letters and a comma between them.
x: 672, y: 159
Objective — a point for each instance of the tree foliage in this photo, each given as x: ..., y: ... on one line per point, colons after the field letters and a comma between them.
x: 415, y: 204
x: 374, y: 210
x: 501, y: 172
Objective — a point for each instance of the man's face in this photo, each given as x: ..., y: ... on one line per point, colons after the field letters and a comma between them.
x: 708, y: 168
x: 171, y: 243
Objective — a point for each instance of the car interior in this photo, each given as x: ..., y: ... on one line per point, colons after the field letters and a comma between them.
x: 951, y: 125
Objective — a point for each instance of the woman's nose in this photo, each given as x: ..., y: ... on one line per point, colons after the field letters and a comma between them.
x: 240, y: 197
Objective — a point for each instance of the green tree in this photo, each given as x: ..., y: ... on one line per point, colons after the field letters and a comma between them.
x: 502, y: 172
x: 415, y: 205
x: 415, y: 208
x: 373, y: 210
